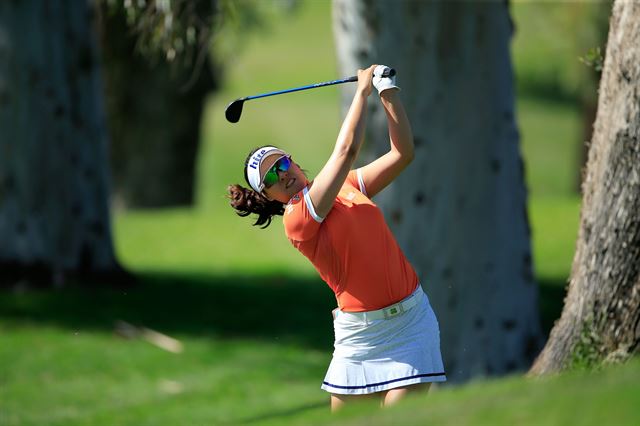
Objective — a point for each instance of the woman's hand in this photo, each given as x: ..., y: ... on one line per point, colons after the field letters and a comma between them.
x: 382, y: 83
x: 365, y: 80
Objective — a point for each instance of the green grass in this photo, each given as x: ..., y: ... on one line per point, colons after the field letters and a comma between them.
x: 250, y: 311
x: 67, y: 367
x: 550, y: 39
x: 550, y: 138
x: 203, y: 240
x: 611, y: 397
x: 63, y: 364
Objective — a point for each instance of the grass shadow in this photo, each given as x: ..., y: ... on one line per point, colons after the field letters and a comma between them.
x: 286, y: 308
x: 290, y: 309
x: 552, y: 294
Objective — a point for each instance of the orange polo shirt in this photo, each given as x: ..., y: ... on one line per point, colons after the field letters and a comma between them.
x: 352, y: 248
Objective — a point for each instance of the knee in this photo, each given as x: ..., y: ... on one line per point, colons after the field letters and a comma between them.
x: 392, y: 396
x: 338, y: 401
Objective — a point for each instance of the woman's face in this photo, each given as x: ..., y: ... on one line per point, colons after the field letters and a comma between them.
x: 289, y: 182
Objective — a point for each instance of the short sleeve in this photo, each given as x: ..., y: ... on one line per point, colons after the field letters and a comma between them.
x: 354, y: 178
x: 300, y: 220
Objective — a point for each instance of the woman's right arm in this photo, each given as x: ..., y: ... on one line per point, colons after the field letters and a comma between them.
x: 326, y: 186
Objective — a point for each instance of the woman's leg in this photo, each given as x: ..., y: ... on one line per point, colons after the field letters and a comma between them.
x: 338, y: 401
x: 392, y: 396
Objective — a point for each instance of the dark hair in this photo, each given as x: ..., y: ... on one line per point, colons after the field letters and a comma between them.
x: 246, y: 201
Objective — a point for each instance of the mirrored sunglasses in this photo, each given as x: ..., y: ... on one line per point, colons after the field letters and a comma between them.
x: 282, y: 165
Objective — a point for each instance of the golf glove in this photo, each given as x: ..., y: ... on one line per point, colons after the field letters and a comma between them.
x: 383, y: 83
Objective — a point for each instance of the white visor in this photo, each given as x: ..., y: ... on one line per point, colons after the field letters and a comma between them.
x: 253, y: 166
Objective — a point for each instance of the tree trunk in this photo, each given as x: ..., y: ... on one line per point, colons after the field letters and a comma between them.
x: 54, y: 215
x: 459, y: 211
x: 154, y: 112
x: 601, y: 316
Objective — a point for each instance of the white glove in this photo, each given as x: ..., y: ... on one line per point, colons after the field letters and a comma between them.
x: 383, y: 83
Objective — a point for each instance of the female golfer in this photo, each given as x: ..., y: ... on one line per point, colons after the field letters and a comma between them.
x: 387, y: 339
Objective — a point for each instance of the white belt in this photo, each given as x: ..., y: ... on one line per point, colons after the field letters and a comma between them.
x: 384, y: 313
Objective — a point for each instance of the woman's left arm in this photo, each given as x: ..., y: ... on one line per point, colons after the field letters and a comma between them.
x: 381, y: 172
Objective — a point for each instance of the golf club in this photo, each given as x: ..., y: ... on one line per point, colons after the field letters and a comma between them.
x: 234, y: 109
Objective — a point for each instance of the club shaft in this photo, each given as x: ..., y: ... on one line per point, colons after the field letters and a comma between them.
x: 297, y: 89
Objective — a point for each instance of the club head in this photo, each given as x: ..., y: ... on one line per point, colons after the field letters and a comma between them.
x: 234, y: 110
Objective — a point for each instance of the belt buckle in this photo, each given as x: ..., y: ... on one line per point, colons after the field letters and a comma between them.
x: 393, y: 310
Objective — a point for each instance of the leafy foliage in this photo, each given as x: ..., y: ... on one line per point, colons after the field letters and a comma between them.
x: 173, y: 29
x: 594, y: 59
x: 183, y: 31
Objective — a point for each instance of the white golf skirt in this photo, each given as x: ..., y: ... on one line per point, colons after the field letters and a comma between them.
x: 373, y: 355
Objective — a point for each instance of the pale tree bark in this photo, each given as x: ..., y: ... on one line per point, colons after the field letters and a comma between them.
x: 601, y: 315
x: 459, y: 211
x: 54, y: 216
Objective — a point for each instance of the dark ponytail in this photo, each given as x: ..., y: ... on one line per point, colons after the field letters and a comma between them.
x: 246, y: 201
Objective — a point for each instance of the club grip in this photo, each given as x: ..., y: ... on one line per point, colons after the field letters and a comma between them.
x: 389, y: 72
